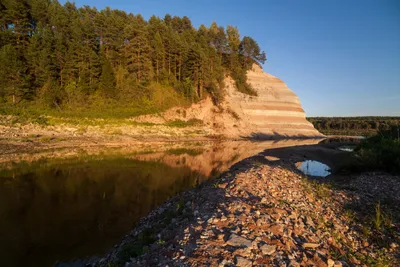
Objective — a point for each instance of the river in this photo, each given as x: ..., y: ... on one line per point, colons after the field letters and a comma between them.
x: 59, y: 206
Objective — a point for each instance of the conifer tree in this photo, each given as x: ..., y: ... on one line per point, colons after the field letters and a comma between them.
x: 137, y: 49
x: 158, y: 54
x: 12, y: 76
x: 63, y: 54
x: 107, y: 78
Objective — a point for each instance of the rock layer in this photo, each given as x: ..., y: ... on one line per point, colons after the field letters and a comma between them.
x: 275, y: 111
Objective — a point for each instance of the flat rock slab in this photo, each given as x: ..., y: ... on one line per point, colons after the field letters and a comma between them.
x: 268, y: 250
x: 242, y: 262
x: 238, y: 241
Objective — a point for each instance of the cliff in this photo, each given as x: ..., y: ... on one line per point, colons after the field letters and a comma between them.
x: 275, y: 111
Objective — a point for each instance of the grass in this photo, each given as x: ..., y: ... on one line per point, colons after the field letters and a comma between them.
x: 182, y: 124
x: 320, y: 189
x: 159, y: 99
x: 381, y: 220
x: 23, y: 116
x: 92, y: 115
x: 48, y: 120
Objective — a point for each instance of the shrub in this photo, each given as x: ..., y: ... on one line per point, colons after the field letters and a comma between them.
x: 380, y: 152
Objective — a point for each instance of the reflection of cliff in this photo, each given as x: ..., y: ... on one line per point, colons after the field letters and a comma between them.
x: 215, y: 157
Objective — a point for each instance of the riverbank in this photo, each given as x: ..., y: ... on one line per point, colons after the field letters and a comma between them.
x: 264, y: 212
x: 30, y: 135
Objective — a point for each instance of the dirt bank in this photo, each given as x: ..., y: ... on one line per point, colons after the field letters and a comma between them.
x: 26, y: 136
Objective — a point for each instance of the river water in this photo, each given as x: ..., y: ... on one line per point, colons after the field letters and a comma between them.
x: 61, y: 205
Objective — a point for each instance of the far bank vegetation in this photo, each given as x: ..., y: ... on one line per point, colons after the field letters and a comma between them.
x: 362, y: 126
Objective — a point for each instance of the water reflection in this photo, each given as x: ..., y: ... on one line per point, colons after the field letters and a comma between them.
x: 347, y: 148
x: 59, y: 211
x: 313, y: 168
x: 65, y: 204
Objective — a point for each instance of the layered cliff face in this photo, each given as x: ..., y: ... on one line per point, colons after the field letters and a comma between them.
x: 275, y: 111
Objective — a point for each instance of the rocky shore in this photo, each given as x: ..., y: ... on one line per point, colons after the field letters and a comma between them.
x: 263, y: 212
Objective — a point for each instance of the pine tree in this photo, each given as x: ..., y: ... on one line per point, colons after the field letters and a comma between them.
x: 250, y: 51
x: 12, y: 76
x: 107, y: 78
x: 158, y: 55
x: 233, y: 37
x: 137, y: 49
x: 41, y: 57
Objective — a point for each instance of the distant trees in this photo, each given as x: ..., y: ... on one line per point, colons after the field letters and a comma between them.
x: 61, y: 55
x: 354, y: 125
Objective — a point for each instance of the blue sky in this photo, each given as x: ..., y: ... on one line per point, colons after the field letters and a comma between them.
x: 341, y: 57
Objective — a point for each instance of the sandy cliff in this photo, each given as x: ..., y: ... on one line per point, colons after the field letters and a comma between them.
x: 275, y: 111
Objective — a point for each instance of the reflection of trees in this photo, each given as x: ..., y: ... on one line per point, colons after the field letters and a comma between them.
x: 75, y: 208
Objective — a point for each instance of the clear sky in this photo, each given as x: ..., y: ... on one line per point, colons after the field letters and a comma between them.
x: 341, y: 57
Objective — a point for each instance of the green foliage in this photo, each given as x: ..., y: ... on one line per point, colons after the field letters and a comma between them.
x: 250, y: 51
x: 383, y: 154
x: 107, y: 79
x: 381, y: 220
x: 67, y: 58
x: 380, y: 152
x: 364, y: 126
x: 239, y: 75
x: 11, y: 74
x: 182, y: 124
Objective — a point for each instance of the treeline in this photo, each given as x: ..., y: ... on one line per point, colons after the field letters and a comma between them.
x: 354, y: 125
x: 62, y: 56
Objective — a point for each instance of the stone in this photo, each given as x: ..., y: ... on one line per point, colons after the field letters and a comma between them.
x: 238, y: 241
x: 276, y: 229
x: 310, y: 245
x: 224, y: 263
x: 268, y: 250
x: 242, y: 262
